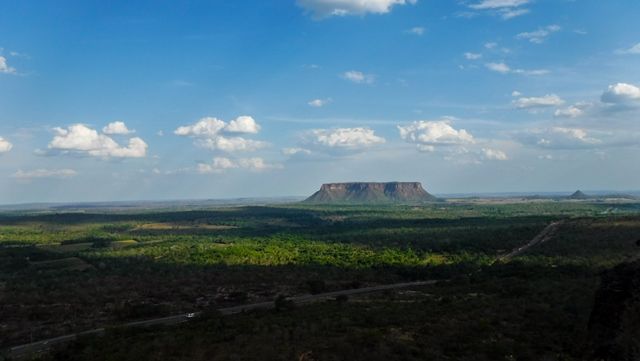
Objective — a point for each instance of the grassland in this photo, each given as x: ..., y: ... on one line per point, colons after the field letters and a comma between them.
x: 139, y: 265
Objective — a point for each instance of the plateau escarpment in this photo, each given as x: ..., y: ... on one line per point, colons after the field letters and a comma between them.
x: 361, y: 192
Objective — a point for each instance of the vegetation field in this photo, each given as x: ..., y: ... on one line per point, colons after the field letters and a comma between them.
x: 67, y: 272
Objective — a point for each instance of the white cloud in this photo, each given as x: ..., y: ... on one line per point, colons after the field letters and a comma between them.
x: 494, y: 154
x: 499, y: 67
x: 319, y: 103
x: 326, y: 8
x: 212, y: 133
x: 4, y: 66
x: 631, y: 51
x: 621, y: 93
x: 205, y: 127
x: 82, y: 139
x: 490, y: 45
x: 231, y: 144
x: 243, y: 124
x: 294, y: 151
x: 513, y: 13
x: 429, y: 134
x: 219, y: 165
x: 516, y: 93
x: 211, y: 127
x: 560, y: 138
x: 116, y: 128
x: 531, y: 72
x: 45, y: 173
x: 472, y: 56
x: 507, y: 9
x: 575, y: 133
x: 345, y: 138
x: 539, y: 36
x: 549, y: 100
x: 497, y: 4
x: 257, y: 164
x: 417, y: 30
x: 222, y: 164
x: 359, y: 77
x: 5, y: 145
x: 572, y: 111
x: 503, y: 68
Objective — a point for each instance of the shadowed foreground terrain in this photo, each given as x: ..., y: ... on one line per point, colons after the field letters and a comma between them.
x: 67, y: 272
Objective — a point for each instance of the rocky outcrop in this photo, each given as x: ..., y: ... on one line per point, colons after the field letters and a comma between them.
x: 392, y: 192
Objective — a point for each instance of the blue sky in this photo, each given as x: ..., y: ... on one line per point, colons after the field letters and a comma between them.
x: 127, y: 100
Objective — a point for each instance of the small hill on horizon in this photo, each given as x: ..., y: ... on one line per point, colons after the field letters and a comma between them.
x: 371, y: 192
x: 578, y: 195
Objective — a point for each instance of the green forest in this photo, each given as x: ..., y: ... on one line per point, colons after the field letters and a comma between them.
x: 66, y: 272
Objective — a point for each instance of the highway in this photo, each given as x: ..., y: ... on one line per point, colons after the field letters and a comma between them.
x: 546, y: 234
x: 21, y: 351
x: 30, y: 349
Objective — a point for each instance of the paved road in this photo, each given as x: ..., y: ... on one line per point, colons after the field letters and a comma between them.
x: 544, y: 235
x: 40, y: 346
x: 30, y: 349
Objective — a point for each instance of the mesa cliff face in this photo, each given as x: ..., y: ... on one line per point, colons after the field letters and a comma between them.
x: 359, y: 192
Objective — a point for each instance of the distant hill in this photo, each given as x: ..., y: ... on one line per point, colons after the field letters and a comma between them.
x: 361, y: 193
x: 578, y: 195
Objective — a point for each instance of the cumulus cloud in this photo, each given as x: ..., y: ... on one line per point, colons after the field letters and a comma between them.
x: 621, y: 93
x: 81, y: 139
x: 344, y: 138
x: 572, y: 111
x: 243, y: 124
x: 231, y: 144
x: 634, y: 50
x: 503, y: 68
x: 213, y: 133
x: 45, y: 173
x: 293, y: 151
x: 549, y: 100
x: 4, y: 66
x: 358, y: 77
x: 116, y: 128
x: 428, y: 135
x: 319, y: 103
x: 472, y: 56
x: 222, y: 164
x: 5, y: 145
x: 211, y: 126
x: 494, y: 154
x: 539, y: 36
x: 326, y: 8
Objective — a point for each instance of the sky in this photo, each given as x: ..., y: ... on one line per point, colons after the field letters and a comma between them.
x: 155, y: 100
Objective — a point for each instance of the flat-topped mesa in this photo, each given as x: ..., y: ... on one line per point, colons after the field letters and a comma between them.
x: 368, y: 192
